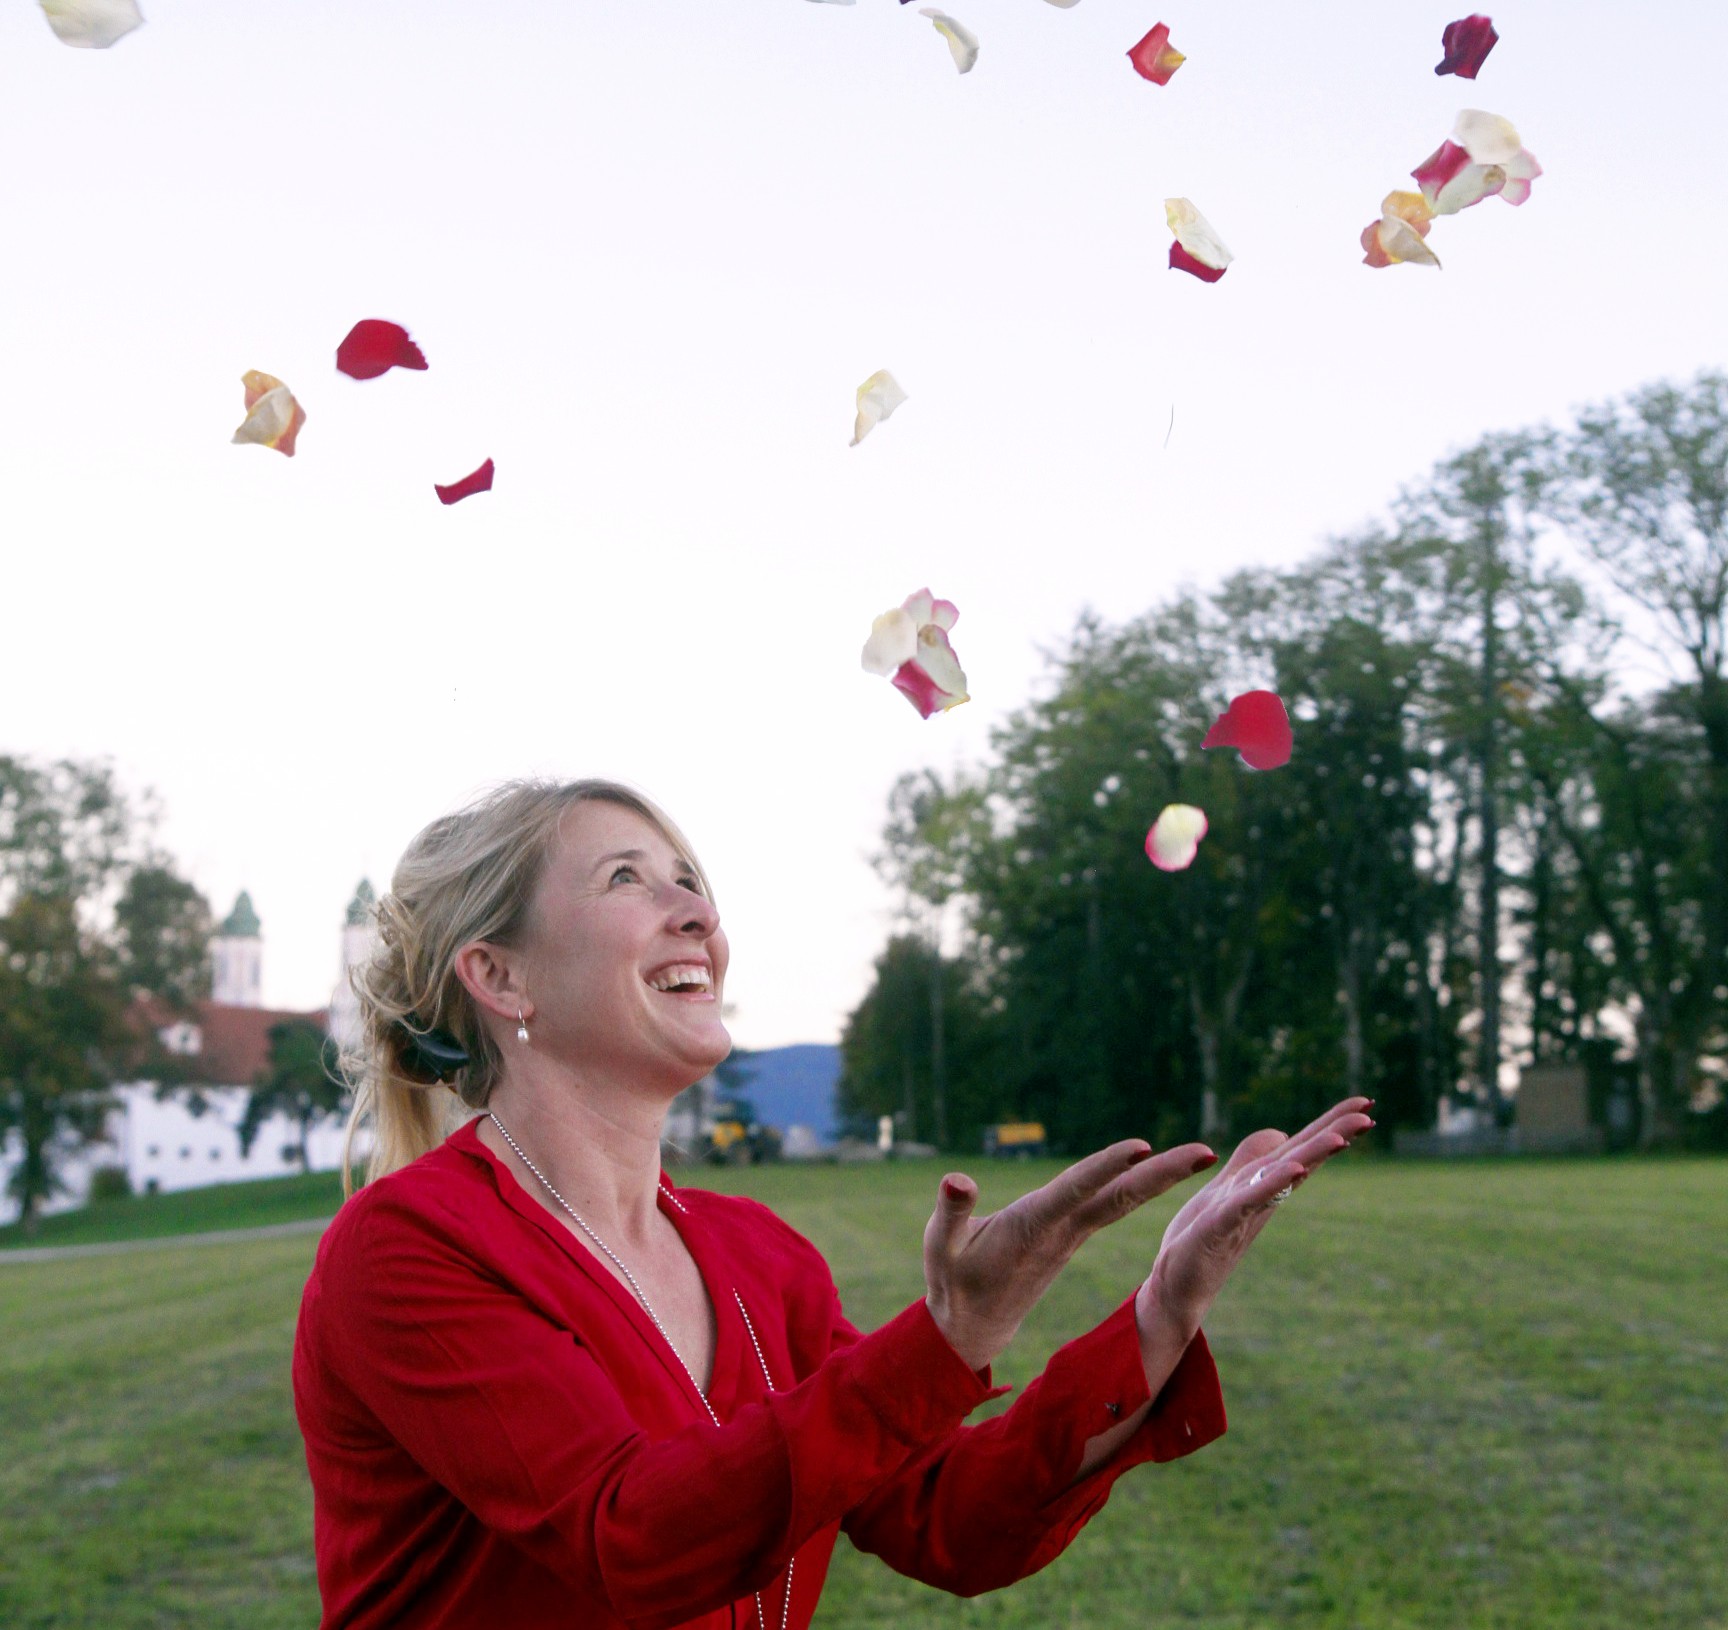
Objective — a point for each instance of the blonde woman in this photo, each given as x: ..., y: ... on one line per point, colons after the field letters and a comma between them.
x: 542, y: 1386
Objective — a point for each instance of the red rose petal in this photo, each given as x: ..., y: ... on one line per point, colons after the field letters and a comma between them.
x: 1257, y: 726
x: 1152, y: 57
x: 1182, y: 261
x: 374, y: 347
x: 479, y: 481
x: 1466, y: 43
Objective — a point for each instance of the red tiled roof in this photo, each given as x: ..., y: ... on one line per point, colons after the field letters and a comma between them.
x: 235, y: 1041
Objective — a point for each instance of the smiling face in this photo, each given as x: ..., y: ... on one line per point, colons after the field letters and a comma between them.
x: 623, y: 958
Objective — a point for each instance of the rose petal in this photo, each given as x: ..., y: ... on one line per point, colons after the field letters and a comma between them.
x: 932, y: 682
x: 1202, y: 250
x: 1182, y: 261
x: 1153, y: 59
x: 92, y: 24
x: 479, y: 481
x: 878, y: 397
x: 1451, y: 182
x: 893, y: 642
x: 374, y: 347
x: 1465, y: 44
x: 1257, y: 726
x: 1175, y: 837
x: 1392, y: 241
x: 1520, y: 170
x: 962, y: 43
x: 943, y: 613
x: 273, y: 417
x: 1486, y: 137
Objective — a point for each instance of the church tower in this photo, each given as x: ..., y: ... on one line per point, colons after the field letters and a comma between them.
x: 359, y: 936
x: 237, y: 952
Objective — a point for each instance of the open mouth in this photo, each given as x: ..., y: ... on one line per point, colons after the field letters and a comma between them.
x: 690, y: 980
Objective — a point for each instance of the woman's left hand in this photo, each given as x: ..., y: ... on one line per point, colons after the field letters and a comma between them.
x: 1212, y: 1232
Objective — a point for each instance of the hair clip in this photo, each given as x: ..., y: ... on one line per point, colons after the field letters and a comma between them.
x: 435, y: 1053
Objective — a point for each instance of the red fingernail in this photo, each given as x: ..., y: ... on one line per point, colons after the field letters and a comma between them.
x: 953, y: 1190
x: 1204, y: 1161
x: 1138, y: 1156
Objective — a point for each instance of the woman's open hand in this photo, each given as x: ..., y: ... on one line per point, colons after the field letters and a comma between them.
x: 984, y: 1275
x: 1212, y: 1232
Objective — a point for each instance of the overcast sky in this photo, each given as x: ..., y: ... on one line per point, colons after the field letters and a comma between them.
x: 650, y: 248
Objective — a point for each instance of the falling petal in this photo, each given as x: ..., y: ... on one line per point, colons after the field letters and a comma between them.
x: 1257, y: 726
x: 273, y: 417
x: 911, y: 644
x: 1066, y: 5
x: 1175, y: 837
x: 893, y: 642
x: 93, y: 24
x: 1520, y: 170
x: 1397, y: 236
x: 1197, y: 249
x: 479, y: 481
x: 1465, y: 44
x: 1450, y: 181
x: 932, y: 681
x: 1486, y: 137
x: 1153, y: 59
x: 374, y: 346
x: 878, y: 397
x: 961, y: 41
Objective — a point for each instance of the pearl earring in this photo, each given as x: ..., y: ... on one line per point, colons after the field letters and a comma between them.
x: 521, y: 1026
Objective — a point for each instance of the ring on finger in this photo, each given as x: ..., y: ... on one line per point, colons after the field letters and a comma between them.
x: 1282, y: 1195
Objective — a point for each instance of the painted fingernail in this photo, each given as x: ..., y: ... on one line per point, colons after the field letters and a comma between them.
x: 1138, y: 1156
x: 1203, y: 1162
x: 953, y: 1190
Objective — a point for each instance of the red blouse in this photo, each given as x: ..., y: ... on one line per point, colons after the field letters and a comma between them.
x: 498, y: 1435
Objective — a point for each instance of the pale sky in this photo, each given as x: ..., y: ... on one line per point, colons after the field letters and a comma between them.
x: 651, y: 248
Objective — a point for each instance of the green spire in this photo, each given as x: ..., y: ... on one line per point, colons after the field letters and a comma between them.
x: 242, y: 922
x: 360, y: 907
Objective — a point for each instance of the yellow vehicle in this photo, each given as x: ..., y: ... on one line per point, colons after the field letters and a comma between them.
x: 738, y: 1138
x: 1019, y: 1139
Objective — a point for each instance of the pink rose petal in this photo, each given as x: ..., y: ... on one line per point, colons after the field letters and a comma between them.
x: 1257, y: 726
x: 479, y: 481
x: 374, y: 347
x: 1153, y: 59
x: 1465, y: 44
x: 930, y: 677
x: 1175, y: 837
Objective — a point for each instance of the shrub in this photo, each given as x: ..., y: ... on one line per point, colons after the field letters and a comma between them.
x: 110, y: 1183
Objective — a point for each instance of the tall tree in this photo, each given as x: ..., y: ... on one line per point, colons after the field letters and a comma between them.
x: 302, y: 1081
x: 81, y: 934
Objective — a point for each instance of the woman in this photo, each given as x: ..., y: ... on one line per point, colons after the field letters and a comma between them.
x: 539, y: 1385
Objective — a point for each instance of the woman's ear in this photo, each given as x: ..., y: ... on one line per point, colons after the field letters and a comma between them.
x: 489, y: 973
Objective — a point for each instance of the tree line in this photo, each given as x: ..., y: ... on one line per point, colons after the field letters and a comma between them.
x: 1502, y: 839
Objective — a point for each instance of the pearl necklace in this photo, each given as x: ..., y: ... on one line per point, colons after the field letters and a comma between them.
x: 648, y: 1307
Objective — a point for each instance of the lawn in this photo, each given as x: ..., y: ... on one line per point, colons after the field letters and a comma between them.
x: 1484, y: 1394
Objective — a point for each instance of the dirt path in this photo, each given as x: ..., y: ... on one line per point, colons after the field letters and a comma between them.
x: 59, y: 1253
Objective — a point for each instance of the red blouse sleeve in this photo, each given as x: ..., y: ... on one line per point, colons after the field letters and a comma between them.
x: 512, y: 1415
x: 991, y: 1503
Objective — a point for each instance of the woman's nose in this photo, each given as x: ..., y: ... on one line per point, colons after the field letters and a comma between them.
x: 696, y: 914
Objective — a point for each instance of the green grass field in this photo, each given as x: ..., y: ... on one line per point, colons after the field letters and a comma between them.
x: 1463, y: 1395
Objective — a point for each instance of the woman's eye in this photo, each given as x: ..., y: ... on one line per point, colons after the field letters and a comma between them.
x: 691, y: 884
x: 623, y: 871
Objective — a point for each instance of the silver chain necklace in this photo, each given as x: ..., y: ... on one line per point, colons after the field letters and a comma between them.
x: 648, y: 1307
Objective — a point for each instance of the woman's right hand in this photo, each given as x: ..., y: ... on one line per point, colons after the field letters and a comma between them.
x: 984, y: 1275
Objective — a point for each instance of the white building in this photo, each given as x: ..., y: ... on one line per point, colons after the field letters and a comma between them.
x: 192, y: 1138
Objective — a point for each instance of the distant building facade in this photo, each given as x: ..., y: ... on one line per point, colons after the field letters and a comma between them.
x: 191, y: 1137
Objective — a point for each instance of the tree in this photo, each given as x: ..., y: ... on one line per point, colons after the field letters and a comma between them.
x: 90, y: 917
x: 302, y: 1080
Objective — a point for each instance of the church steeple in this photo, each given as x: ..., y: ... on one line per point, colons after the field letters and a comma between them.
x: 359, y: 937
x: 237, y: 953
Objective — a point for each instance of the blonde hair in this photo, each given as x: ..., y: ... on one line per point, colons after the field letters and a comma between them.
x: 467, y: 876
